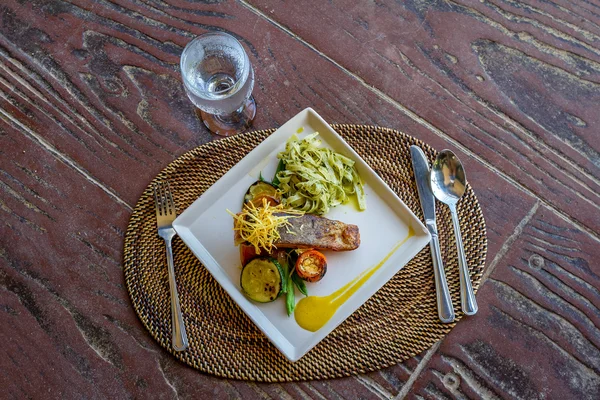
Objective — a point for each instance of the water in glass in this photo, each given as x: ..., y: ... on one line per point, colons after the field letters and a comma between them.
x: 219, y: 79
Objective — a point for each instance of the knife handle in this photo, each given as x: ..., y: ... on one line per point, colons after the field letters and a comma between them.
x: 444, y: 301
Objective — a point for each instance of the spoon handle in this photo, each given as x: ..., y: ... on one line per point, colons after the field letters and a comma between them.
x: 467, y: 297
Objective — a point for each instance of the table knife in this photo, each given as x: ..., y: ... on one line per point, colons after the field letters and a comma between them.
x: 421, y: 171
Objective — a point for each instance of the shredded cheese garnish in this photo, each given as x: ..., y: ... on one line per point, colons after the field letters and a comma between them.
x: 259, y: 225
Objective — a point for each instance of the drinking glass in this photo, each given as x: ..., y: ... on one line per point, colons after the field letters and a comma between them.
x: 218, y: 78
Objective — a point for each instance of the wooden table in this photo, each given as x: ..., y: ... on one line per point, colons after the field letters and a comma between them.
x: 92, y: 108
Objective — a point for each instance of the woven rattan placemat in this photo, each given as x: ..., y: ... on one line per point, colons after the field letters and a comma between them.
x: 399, y: 321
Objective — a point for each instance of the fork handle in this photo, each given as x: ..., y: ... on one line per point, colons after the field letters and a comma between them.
x: 180, y: 340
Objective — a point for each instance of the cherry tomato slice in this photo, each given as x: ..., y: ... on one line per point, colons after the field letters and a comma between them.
x: 311, y: 265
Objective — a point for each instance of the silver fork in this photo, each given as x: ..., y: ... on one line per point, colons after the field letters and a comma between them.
x: 165, y: 214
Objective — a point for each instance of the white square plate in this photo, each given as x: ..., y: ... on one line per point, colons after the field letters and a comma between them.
x: 207, y: 229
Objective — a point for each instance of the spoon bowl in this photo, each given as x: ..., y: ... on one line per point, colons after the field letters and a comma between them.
x: 448, y: 179
x: 448, y: 184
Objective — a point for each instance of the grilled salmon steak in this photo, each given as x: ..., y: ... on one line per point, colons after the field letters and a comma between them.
x: 313, y: 232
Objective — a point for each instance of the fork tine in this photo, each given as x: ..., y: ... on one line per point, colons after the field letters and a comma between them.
x: 166, y: 199
x: 163, y: 197
x: 163, y: 201
x: 170, y: 201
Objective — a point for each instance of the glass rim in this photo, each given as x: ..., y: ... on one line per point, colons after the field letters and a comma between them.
x: 245, y: 62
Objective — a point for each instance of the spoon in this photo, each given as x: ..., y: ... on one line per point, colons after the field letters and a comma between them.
x: 448, y: 183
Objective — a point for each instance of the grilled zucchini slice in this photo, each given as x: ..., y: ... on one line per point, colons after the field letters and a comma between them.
x: 262, y: 279
x: 262, y: 190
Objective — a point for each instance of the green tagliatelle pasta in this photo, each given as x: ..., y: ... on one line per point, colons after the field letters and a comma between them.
x: 314, y: 178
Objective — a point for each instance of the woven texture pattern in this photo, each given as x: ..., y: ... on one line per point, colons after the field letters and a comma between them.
x: 399, y: 321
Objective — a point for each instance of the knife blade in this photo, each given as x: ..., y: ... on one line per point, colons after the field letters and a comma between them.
x: 421, y: 171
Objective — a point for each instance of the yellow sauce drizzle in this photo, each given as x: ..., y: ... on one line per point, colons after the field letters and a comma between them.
x: 313, y: 312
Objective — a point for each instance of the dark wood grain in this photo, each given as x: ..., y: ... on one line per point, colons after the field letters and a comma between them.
x: 516, y: 84
x: 282, y: 61
x: 536, y: 335
x: 91, y: 108
x: 67, y: 328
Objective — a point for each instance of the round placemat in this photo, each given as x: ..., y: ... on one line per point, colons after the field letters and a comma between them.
x: 399, y: 321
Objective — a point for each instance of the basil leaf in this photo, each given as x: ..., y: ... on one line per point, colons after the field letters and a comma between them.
x: 299, y: 284
x: 280, y: 167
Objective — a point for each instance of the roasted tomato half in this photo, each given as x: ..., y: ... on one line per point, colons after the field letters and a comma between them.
x: 247, y: 253
x: 311, y: 266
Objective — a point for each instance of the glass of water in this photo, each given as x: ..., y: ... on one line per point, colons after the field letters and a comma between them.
x: 218, y: 78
